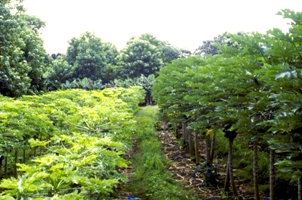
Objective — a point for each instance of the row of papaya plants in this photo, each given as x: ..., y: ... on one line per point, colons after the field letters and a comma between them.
x: 88, y: 84
x: 251, y: 90
x: 66, y: 144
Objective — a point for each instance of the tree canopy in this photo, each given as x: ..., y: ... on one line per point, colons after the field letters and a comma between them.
x: 251, y: 88
x: 22, y: 55
x: 90, y: 55
x: 146, y: 55
x: 142, y: 55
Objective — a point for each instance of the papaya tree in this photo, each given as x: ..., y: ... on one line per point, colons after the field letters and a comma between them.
x: 169, y: 89
x: 282, y: 75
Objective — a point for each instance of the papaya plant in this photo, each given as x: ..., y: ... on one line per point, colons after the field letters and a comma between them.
x: 79, y: 163
x: 251, y: 88
x: 50, y: 123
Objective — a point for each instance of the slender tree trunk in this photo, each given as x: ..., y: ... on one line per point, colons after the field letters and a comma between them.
x: 208, y: 144
x: 147, y: 99
x: 1, y: 166
x: 16, y: 161
x: 176, y: 131
x: 197, y: 157
x: 24, y: 154
x: 300, y: 188
x: 183, y: 130
x: 150, y: 99
x: 272, y: 174
x: 212, y: 148
x: 210, y: 176
x: 191, y: 145
x: 185, y: 137
x: 41, y: 139
x: 255, y: 171
x: 5, y: 167
x: 230, y: 165
x: 227, y: 180
x: 35, y: 151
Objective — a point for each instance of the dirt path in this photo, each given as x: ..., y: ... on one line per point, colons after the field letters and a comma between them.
x: 124, y: 190
x: 185, y: 171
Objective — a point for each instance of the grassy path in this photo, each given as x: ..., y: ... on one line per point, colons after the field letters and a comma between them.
x: 150, y: 178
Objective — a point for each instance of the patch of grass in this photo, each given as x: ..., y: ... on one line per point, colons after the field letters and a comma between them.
x: 151, y: 178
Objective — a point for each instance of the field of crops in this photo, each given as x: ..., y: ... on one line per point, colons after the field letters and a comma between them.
x: 66, y: 144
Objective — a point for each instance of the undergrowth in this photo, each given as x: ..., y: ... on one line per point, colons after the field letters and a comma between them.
x: 151, y: 178
x: 242, y: 159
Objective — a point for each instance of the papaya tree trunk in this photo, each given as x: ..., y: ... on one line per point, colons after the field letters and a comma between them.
x: 208, y: 144
x: 210, y: 176
x: 150, y: 99
x: 185, y: 137
x: 230, y: 166
x: 300, y: 188
x: 176, y: 130
x: 41, y: 139
x: 226, y: 187
x: 24, y: 154
x: 147, y: 99
x: 16, y: 161
x: 5, y: 167
x: 272, y: 174
x: 212, y: 148
x: 35, y: 151
x: 1, y: 166
x: 197, y: 157
x: 191, y: 145
x: 255, y: 171
x: 183, y: 130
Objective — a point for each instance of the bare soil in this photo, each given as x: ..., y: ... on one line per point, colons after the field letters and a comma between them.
x: 191, y: 176
x: 184, y: 170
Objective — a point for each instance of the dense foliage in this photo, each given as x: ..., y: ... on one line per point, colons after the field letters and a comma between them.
x: 242, y: 87
x: 145, y: 55
x: 25, y: 68
x: 96, y: 64
x: 69, y: 144
x: 251, y: 89
x: 22, y: 56
x: 89, y: 56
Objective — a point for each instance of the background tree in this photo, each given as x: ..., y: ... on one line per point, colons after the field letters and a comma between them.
x: 89, y: 56
x: 142, y: 55
x: 22, y: 56
x: 211, y: 47
x: 59, y: 72
x: 110, y: 71
x: 170, y: 53
x: 34, y: 52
